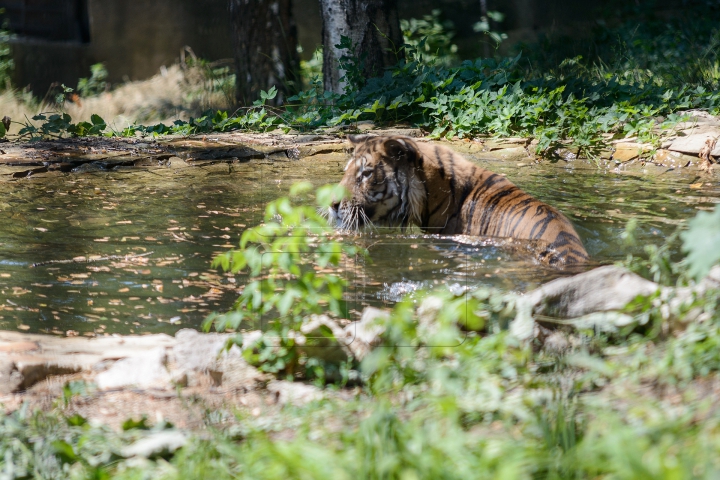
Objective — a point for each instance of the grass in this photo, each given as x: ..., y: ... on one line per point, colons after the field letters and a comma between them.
x: 637, y: 403
x: 435, y: 401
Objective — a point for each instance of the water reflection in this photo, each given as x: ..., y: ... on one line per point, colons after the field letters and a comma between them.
x: 178, y: 220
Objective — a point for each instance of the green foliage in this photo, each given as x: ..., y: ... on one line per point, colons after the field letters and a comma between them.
x: 352, y: 65
x: 484, y: 26
x: 311, y: 70
x: 58, y: 125
x: 96, y: 84
x: 429, y: 40
x: 287, y: 258
x: 701, y: 243
x: 639, y: 44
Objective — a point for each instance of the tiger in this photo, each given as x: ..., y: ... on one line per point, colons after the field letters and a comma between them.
x: 395, y: 181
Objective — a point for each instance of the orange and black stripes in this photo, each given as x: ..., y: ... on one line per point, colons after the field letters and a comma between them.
x: 442, y: 192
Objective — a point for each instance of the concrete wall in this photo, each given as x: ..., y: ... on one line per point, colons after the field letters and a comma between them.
x: 133, y: 38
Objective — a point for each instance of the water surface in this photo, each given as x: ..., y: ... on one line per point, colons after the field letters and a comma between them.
x: 160, y: 229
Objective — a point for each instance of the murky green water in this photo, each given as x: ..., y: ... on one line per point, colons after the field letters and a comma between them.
x: 179, y: 219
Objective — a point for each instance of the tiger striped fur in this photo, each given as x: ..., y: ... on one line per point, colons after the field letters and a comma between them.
x: 395, y: 181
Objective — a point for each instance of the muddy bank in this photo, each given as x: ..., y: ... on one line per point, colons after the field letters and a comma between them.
x: 693, y: 145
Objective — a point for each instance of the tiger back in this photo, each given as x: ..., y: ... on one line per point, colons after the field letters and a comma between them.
x: 396, y: 181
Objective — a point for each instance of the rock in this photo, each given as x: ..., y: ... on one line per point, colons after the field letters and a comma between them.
x: 365, y: 125
x: 198, y: 352
x: 297, y: 394
x: 505, y: 143
x: 668, y: 158
x: 402, y: 132
x: 146, y: 370
x: 694, y: 143
x: 34, y: 369
x: 204, y: 353
x: 427, y: 313
x: 176, y: 162
x: 156, y: 444
x: 89, y: 167
x: 626, y: 151
x: 603, y: 289
x: 509, y: 154
x: 35, y: 357
x: 10, y: 379
x: 324, y: 339
x: 366, y: 333
x: 235, y: 374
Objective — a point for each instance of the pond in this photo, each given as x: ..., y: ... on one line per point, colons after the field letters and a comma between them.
x: 129, y: 251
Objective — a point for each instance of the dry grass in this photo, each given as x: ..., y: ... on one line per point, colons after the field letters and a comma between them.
x: 177, y: 92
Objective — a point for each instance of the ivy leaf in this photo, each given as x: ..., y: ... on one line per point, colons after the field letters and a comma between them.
x: 701, y: 242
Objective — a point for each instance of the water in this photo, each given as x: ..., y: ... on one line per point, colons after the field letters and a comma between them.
x: 161, y: 228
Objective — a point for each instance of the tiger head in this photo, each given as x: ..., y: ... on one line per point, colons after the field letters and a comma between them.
x: 380, y: 178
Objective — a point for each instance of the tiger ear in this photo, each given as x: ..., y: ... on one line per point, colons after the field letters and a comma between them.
x: 358, y: 139
x: 400, y: 148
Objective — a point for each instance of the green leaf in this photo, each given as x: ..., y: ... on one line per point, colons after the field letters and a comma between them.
x: 97, y: 120
x: 701, y: 242
x: 64, y: 451
x: 76, y: 420
x: 131, y: 424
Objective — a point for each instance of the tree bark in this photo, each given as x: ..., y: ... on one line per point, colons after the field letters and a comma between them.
x: 373, y: 28
x: 265, y: 43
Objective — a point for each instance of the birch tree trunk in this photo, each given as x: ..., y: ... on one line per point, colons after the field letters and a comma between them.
x: 373, y: 28
x: 265, y: 44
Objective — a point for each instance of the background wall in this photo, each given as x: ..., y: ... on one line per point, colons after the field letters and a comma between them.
x: 59, y: 39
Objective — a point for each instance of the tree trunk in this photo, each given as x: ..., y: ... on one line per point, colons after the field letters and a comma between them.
x: 265, y: 42
x: 374, y: 31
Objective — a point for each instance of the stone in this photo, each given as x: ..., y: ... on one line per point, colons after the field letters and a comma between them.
x: 146, y: 370
x: 176, y: 162
x: 624, y: 152
x: 204, y: 353
x: 602, y: 289
x: 36, y: 357
x: 365, y: 125
x: 366, y: 333
x: 509, y: 154
x: 323, y: 338
x: 198, y: 352
x: 668, y: 158
x: 694, y: 143
x: 427, y: 313
x: 10, y: 379
x: 401, y: 132
x: 235, y: 374
x: 505, y: 143
x: 34, y: 369
x: 297, y: 394
x: 156, y: 444
x: 19, y: 347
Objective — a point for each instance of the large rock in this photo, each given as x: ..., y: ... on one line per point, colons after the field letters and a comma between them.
x: 321, y: 337
x: 30, y: 358
x: 10, y: 379
x: 695, y: 142
x: 195, y: 354
x: 145, y: 370
x: 156, y: 444
x: 198, y: 353
x: 603, y: 289
x: 293, y: 393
